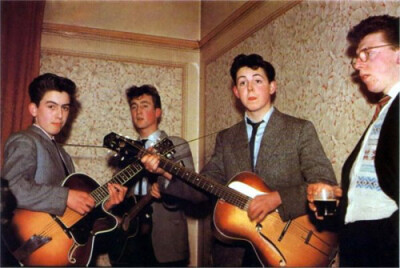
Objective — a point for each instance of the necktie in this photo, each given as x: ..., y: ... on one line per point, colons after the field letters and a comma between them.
x: 253, y: 139
x: 382, y: 102
x: 61, y: 157
x: 142, y: 181
x: 143, y: 143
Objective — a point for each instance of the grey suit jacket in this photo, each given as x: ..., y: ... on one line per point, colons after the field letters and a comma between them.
x: 290, y: 157
x: 35, y: 171
x: 170, y: 232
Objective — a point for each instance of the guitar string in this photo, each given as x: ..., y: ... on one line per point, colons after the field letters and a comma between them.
x: 102, y: 147
x: 238, y: 200
x: 70, y: 217
x: 231, y: 195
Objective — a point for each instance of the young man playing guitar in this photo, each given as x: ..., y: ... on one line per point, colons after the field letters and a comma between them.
x: 35, y: 165
x: 286, y: 151
x: 167, y: 243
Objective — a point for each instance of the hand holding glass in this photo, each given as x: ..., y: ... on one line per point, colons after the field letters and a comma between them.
x: 325, y: 202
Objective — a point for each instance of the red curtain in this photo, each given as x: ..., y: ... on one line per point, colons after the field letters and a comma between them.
x: 21, y: 27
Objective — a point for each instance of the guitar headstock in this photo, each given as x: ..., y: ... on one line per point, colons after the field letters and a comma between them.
x: 120, y: 144
x: 127, y: 147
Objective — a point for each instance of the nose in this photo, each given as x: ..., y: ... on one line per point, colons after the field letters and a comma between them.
x: 250, y: 86
x: 358, y: 64
x: 60, y: 112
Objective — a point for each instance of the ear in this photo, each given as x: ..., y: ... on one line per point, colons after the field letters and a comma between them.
x: 236, y: 92
x: 158, y: 113
x: 33, y: 109
x: 272, y: 87
x: 398, y: 56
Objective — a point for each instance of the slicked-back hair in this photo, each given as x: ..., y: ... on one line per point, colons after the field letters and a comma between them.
x: 136, y: 91
x: 253, y: 61
x: 48, y: 82
x: 388, y: 25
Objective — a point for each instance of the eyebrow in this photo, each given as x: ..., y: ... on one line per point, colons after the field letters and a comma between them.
x: 254, y: 75
x: 140, y: 102
x: 53, y: 102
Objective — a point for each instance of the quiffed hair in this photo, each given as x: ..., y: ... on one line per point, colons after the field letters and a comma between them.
x: 47, y: 82
x: 388, y: 25
x: 135, y: 92
x: 253, y: 61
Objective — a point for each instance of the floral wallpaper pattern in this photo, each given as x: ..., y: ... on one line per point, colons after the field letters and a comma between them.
x: 101, y: 87
x: 307, y: 46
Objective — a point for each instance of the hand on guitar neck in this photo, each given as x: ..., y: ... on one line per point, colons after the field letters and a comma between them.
x: 258, y: 209
x: 151, y: 162
x: 296, y: 242
x: 82, y: 202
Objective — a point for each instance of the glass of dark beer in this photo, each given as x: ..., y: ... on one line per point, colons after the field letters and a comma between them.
x: 325, y: 202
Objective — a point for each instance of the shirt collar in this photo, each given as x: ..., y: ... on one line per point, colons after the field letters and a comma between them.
x: 394, y: 90
x: 152, y: 138
x: 47, y: 134
x: 265, y: 118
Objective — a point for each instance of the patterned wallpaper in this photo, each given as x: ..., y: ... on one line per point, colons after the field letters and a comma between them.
x: 101, y: 86
x: 307, y: 46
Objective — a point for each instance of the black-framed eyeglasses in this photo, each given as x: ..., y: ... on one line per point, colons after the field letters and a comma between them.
x: 364, y: 54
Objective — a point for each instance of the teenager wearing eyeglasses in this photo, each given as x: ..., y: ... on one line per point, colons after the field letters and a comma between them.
x: 369, y: 208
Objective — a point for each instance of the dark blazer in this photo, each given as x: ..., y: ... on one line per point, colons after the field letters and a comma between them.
x: 386, y: 158
x: 35, y: 171
x: 170, y: 231
x: 290, y: 157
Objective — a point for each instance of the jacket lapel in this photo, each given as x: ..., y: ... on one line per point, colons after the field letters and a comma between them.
x: 48, y: 144
x: 271, y: 137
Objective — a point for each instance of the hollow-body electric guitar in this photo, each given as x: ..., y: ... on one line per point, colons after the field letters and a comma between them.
x: 297, y: 242
x: 129, y: 228
x: 42, y: 239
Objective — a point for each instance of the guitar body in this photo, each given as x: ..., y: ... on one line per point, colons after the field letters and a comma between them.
x: 130, y: 235
x: 42, y: 239
x: 277, y: 243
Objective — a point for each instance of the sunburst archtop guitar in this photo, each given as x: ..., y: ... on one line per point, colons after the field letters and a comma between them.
x: 297, y: 242
x: 41, y: 239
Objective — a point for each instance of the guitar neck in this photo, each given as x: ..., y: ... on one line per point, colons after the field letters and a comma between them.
x: 210, y: 186
x: 139, y: 206
x: 122, y: 177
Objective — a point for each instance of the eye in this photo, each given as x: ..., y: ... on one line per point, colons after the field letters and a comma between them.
x: 242, y: 83
x: 66, y: 108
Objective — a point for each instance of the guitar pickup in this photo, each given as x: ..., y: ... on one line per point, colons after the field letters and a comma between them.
x: 32, y: 244
x: 284, y: 230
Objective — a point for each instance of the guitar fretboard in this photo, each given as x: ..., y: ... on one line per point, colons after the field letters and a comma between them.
x: 221, y: 191
x: 122, y: 177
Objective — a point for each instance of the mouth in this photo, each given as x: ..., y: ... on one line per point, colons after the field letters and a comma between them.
x: 364, y: 76
x: 252, y: 98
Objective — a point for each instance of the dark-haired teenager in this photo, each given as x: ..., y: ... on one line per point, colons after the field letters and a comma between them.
x: 35, y: 165
x: 287, y: 153
x: 165, y: 241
